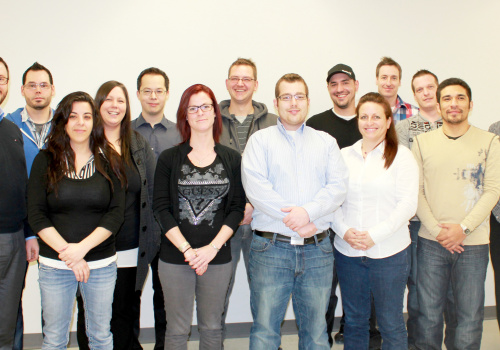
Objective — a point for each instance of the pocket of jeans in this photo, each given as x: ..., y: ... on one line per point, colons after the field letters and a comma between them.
x: 326, y: 246
x: 260, y: 244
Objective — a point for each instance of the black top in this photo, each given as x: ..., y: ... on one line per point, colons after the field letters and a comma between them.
x: 346, y: 132
x: 128, y: 235
x: 78, y: 209
x: 13, y: 178
x: 169, y: 171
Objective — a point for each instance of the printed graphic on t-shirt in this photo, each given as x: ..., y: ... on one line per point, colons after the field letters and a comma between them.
x: 201, y: 192
x: 473, y: 189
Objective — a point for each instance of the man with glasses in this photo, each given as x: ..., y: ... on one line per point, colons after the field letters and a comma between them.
x: 295, y: 178
x: 241, y: 117
x: 34, y: 122
x: 161, y: 134
x: 34, y: 119
x: 12, y: 219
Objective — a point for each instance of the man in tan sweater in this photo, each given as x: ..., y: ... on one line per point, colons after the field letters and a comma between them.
x: 459, y: 185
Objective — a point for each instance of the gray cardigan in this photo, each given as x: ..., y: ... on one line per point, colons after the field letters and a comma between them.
x: 149, y: 230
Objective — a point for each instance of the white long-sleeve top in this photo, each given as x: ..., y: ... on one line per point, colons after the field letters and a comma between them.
x: 379, y: 200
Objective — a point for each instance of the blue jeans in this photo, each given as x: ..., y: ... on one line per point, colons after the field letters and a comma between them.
x: 412, y: 305
x: 467, y: 273
x: 385, y: 279
x: 58, y: 290
x: 278, y: 270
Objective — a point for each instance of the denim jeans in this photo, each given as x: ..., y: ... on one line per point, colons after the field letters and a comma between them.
x: 180, y: 286
x: 385, y: 279
x: 240, y: 243
x: 467, y: 273
x: 412, y: 305
x: 495, y: 259
x: 278, y: 270
x: 58, y: 290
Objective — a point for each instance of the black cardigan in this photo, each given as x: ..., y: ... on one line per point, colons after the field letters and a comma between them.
x: 168, y: 171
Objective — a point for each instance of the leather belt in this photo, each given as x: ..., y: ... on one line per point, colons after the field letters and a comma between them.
x: 282, y: 238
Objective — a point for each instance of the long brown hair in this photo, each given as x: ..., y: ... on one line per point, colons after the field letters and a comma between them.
x: 62, y: 156
x: 125, y: 127
x: 391, y: 138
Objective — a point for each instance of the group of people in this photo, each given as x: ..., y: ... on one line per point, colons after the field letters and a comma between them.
x: 99, y: 199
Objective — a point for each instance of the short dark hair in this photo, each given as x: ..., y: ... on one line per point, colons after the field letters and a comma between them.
x: 289, y: 78
x: 244, y: 62
x: 387, y: 61
x: 450, y: 82
x: 5, y: 64
x: 152, y: 71
x: 421, y: 73
x: 37, y: 67
x: 182, y: 114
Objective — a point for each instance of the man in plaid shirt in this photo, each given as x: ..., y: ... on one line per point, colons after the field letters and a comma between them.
x: 388, y: 81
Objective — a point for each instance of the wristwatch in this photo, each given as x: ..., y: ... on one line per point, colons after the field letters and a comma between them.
x: 467, y: 231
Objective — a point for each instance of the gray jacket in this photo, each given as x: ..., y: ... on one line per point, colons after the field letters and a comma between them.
x: 149, y: 230
x: 262, y: 119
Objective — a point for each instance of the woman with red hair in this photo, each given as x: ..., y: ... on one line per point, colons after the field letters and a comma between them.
x: 199, y: 203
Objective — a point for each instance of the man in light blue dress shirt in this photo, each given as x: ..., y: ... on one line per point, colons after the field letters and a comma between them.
x: 295, y: 178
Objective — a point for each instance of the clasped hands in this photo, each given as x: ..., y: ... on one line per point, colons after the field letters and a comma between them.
x: 199, y: 258
x: 298, y: 220
x: 359, y: 240
x: 451, y: 237
x: 72, y: 254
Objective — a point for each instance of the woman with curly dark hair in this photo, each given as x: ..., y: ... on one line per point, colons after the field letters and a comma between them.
x: 75, y: 205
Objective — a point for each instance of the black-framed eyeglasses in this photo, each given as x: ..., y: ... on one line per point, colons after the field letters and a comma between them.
x: 288, y: 97
x: 204, y: 108
x: 4, y: 80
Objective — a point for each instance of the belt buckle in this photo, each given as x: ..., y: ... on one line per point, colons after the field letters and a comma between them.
x: 297, y: 240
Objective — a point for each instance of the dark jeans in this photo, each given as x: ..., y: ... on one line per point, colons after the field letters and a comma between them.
x: 332, y: 305
x: 385, y: 279
x: 495, y: 259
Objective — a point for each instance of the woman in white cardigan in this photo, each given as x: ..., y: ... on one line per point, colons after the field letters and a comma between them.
x: 371, y: 246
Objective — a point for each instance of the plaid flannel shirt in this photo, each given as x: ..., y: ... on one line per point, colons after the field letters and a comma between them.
x: 403, y: 110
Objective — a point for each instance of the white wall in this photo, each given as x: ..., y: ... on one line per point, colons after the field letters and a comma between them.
x: 85, y: 43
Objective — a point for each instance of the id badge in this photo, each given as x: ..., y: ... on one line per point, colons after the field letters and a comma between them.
x: 296, y: 240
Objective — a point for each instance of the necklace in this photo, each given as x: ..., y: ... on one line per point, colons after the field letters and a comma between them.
x: 199, y: 160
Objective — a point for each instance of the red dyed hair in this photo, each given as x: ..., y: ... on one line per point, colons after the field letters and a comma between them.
x: 182, y: 123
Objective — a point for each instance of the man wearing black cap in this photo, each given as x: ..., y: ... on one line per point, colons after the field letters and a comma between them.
x: 340, y: 122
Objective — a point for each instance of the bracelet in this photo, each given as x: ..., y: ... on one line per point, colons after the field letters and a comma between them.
x: 183, y: 245
x: 213, y: 246
x: 187, y: 249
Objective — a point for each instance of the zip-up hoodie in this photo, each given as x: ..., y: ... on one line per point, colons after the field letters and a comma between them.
x: 30, y: 147
x: 261, y: 120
